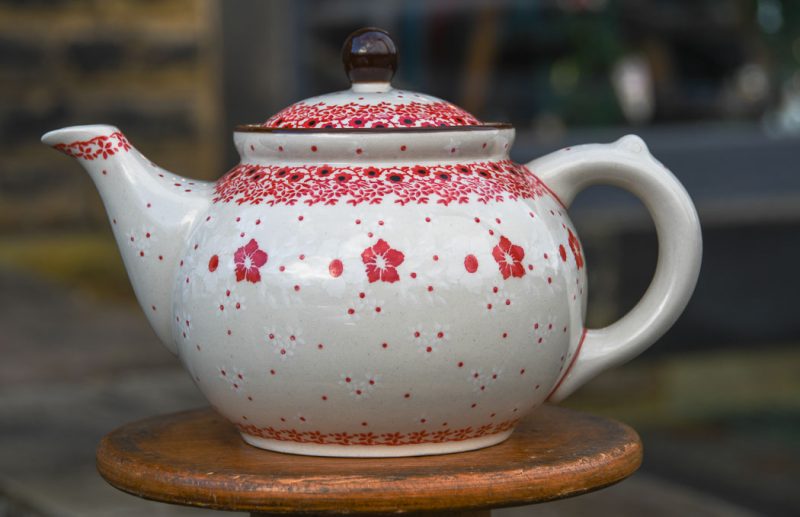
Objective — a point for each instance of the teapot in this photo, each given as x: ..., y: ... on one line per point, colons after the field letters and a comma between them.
x: 376, y: 277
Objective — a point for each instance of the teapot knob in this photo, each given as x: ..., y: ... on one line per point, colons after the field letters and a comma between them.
x: 369, y: 56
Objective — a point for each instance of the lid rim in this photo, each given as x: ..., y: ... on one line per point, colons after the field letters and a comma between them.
x: 258, y: 128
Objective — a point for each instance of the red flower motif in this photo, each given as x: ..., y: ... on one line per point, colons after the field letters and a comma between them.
x: 509, y: 258
x: 248, y: 259
x: 381, y: 262
x: 575, y: 246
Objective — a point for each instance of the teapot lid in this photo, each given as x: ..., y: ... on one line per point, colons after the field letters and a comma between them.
x: 370, y: 60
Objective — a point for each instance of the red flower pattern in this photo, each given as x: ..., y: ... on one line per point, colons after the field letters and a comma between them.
x: 509, y: 258
x: 368, y: 438
x: 575, y: 246
x: 380, y: 115
x: 483, y: 182
x: 248, y: 260
x: 381, y: 262
x: 98, y: 147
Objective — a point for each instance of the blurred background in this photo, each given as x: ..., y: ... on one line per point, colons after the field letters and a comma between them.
x: 713, y: 86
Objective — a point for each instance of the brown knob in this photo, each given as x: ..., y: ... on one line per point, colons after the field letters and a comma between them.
x: 369, y: 55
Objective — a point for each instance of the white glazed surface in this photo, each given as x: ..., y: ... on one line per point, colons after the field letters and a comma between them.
x: 472, y: 318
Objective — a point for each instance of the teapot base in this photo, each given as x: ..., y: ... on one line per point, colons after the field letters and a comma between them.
x: 375, y: 451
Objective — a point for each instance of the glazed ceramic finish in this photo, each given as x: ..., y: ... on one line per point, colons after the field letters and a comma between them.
x: 382, y: 293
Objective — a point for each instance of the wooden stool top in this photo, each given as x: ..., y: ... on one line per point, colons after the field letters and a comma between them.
x: 197, y: 458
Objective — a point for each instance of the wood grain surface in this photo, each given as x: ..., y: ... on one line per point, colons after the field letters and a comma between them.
x: 197, y: 458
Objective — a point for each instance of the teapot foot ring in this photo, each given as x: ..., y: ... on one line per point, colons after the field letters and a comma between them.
x: 375, y: 451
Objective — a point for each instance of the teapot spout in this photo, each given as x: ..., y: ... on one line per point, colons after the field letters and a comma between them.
x: 152, y: 212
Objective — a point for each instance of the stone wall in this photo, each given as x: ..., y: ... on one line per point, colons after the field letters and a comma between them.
x: 151, y: 67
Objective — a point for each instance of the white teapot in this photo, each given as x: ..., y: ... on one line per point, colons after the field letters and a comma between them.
x: 377, y: 277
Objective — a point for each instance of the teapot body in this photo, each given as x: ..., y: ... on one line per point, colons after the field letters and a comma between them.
x: 379, y: 309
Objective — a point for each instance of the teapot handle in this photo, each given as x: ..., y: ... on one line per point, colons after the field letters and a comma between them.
x: 628, y: 164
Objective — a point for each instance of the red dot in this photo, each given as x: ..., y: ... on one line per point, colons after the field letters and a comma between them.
x: 324, y: 397
x: 302, y: 257
x: 272, y: 372
x: 213, y: 263
x: 427, y: 219
x: 313, y: 148
x: 403, y: 148
x: 296, y: 287
x: 141, y: 254
x: 471, y: 263
x: 280, y: 148
x: 377, y: 309
x: 407, y: 396
x: 161, y: 257
x: 364, y: 424
x: 351, y: 311
x: 473, y: 405
x: 477, y: 219
x: 430, y: 288
x: 435, y: 257
x: 461, y: 364
x: 522, y: 372
x: 320, y: 346
x: 385, y: 345
x: 413, y: 275
x: 282, y: 269
x: 299, y: 217
x: 563, y: 252
x: 549, y: 280
x: 359, y: 151
x: 335, y: 268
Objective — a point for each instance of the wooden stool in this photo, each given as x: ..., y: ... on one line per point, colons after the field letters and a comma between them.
x: 197, y: 458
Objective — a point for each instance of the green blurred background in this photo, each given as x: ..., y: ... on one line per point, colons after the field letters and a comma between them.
x: 713, y: 86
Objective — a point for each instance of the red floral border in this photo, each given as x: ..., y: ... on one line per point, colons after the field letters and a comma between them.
x: 368, y: 438
x: 314, y: 184
x: 380, y: 115
x: 98, y: 147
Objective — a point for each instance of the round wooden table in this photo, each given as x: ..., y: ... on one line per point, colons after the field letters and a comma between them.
x: 197, y: 458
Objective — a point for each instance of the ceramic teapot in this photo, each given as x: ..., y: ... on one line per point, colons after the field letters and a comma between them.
x: 376, y: 277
